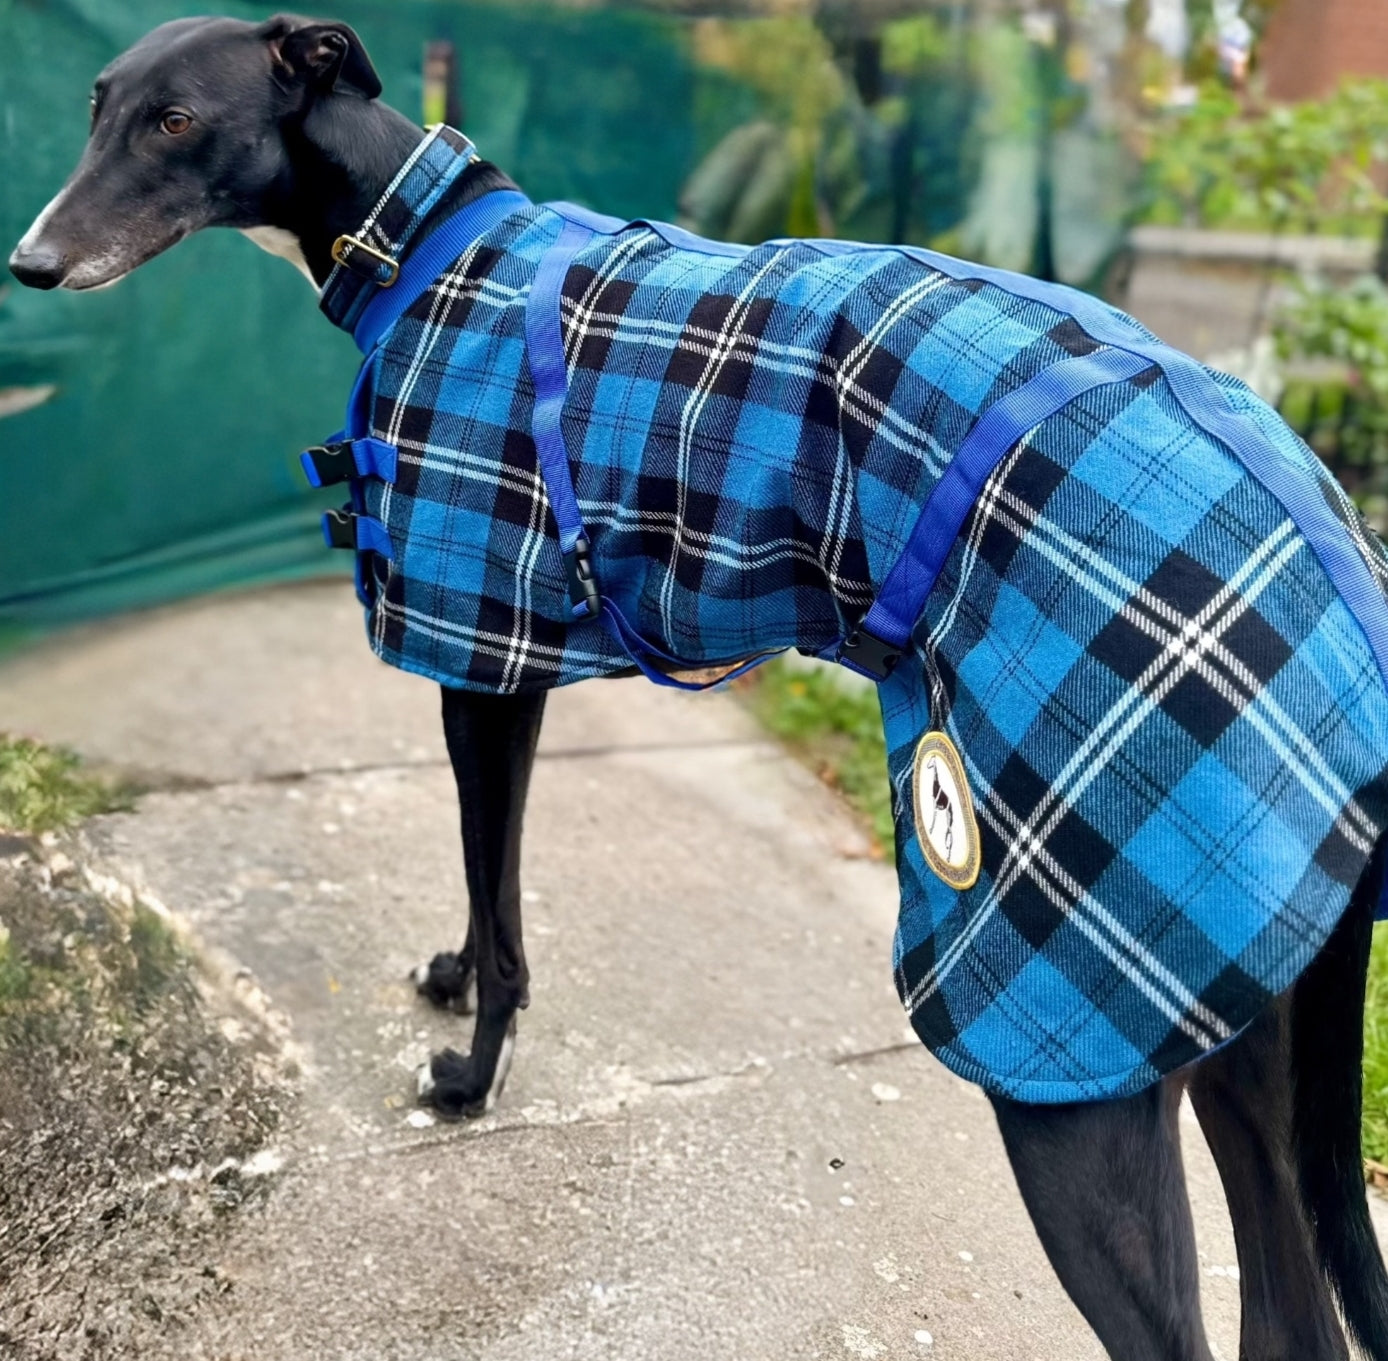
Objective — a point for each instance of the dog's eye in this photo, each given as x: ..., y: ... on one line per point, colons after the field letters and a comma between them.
x: 175, y: 122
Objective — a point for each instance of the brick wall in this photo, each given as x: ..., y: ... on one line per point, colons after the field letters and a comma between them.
x: 1311, y: 44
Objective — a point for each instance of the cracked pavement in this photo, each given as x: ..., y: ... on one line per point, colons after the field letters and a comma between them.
x: 718, y: 1138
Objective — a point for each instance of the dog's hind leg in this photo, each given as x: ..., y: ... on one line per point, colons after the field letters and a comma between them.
x: 1104, y: 1187
x: 1281, y: 1107
x: 491, y: 744
x: 1243, y: 1096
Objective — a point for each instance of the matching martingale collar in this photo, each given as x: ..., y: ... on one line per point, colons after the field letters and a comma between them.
x: 368, y: 261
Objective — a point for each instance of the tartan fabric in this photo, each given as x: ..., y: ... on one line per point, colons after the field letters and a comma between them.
x: 1173, y: 724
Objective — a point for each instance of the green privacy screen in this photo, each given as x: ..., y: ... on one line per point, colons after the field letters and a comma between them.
x: 149, y: 434
x: 165, y: 460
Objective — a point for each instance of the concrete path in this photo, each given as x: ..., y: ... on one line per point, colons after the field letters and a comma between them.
x: 718, y: 1140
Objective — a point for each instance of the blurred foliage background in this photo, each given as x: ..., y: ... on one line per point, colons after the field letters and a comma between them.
x: 148, y: 435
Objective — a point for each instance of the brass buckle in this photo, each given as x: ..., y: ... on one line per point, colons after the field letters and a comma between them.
x: 345, y: 243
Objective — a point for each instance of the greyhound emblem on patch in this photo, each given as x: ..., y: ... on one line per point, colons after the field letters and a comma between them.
x: 945, y: 824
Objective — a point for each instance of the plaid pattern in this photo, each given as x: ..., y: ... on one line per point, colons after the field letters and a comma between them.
x: 1174, y: 727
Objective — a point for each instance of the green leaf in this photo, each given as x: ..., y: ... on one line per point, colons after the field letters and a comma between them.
x: 43, y: 789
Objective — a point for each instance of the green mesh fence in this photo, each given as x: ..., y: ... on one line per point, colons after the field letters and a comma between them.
x: 149, y: 434
x: 164, y: 460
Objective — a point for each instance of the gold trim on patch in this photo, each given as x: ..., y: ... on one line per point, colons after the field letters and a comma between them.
x: 943, y: 802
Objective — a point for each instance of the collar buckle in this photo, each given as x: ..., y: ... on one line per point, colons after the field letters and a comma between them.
x: 379, y: 267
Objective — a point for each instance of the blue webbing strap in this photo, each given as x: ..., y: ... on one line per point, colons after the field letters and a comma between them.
x: 901, y: 601
x: 641, y: 652
x: 358, y: 426
x: 1201, y: 399
x: 428, y: 260
x: 600, y: 224
x: 544, y: 347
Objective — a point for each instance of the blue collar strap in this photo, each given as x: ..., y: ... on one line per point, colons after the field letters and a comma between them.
x: 368, y: 260
x: 429, y: 259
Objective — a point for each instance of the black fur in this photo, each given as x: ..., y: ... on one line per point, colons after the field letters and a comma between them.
x: 285, y: 132
x: 1327, y: 1045
x: 491, y: 743
x: 1244, y: 1096
x: 1104, y: 1187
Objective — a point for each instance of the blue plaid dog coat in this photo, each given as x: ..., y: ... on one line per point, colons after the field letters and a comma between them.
x: 1131, y: 640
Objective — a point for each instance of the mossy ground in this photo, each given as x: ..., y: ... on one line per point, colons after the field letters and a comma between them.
x: 44, y: 789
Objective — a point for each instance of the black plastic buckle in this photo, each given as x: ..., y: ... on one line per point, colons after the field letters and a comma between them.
x: 869, y: 654
x: 340, y: 528
x: 332, y: 462
x: 583, y: 585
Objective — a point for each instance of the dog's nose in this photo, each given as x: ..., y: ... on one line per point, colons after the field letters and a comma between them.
x: 37, y: 266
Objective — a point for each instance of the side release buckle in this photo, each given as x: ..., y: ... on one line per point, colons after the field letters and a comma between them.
x: 347, y: 528
x: 583, y: 584
x: 339, y: 528
x: 342, y: 460
x: 326, y: 464
x: 869, y: 655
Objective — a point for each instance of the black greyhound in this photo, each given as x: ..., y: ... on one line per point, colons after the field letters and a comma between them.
x: 275, y: 130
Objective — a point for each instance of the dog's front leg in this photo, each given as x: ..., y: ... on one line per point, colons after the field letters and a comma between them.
x: 491, y: 743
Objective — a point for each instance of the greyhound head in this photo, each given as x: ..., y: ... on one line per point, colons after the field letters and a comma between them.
x: 192, y: 127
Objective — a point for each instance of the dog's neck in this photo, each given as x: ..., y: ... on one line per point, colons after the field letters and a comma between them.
x: 343, y: 158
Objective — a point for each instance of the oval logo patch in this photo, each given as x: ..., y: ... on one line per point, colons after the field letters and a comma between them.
x: 945, y: 823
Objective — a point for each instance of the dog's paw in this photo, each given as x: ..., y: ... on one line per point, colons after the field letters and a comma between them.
x: 452, y: 1087
x: 447, y: 983
x: 456, y: 1087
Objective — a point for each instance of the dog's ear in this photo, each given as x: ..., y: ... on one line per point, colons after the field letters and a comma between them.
x: 326, y: 56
